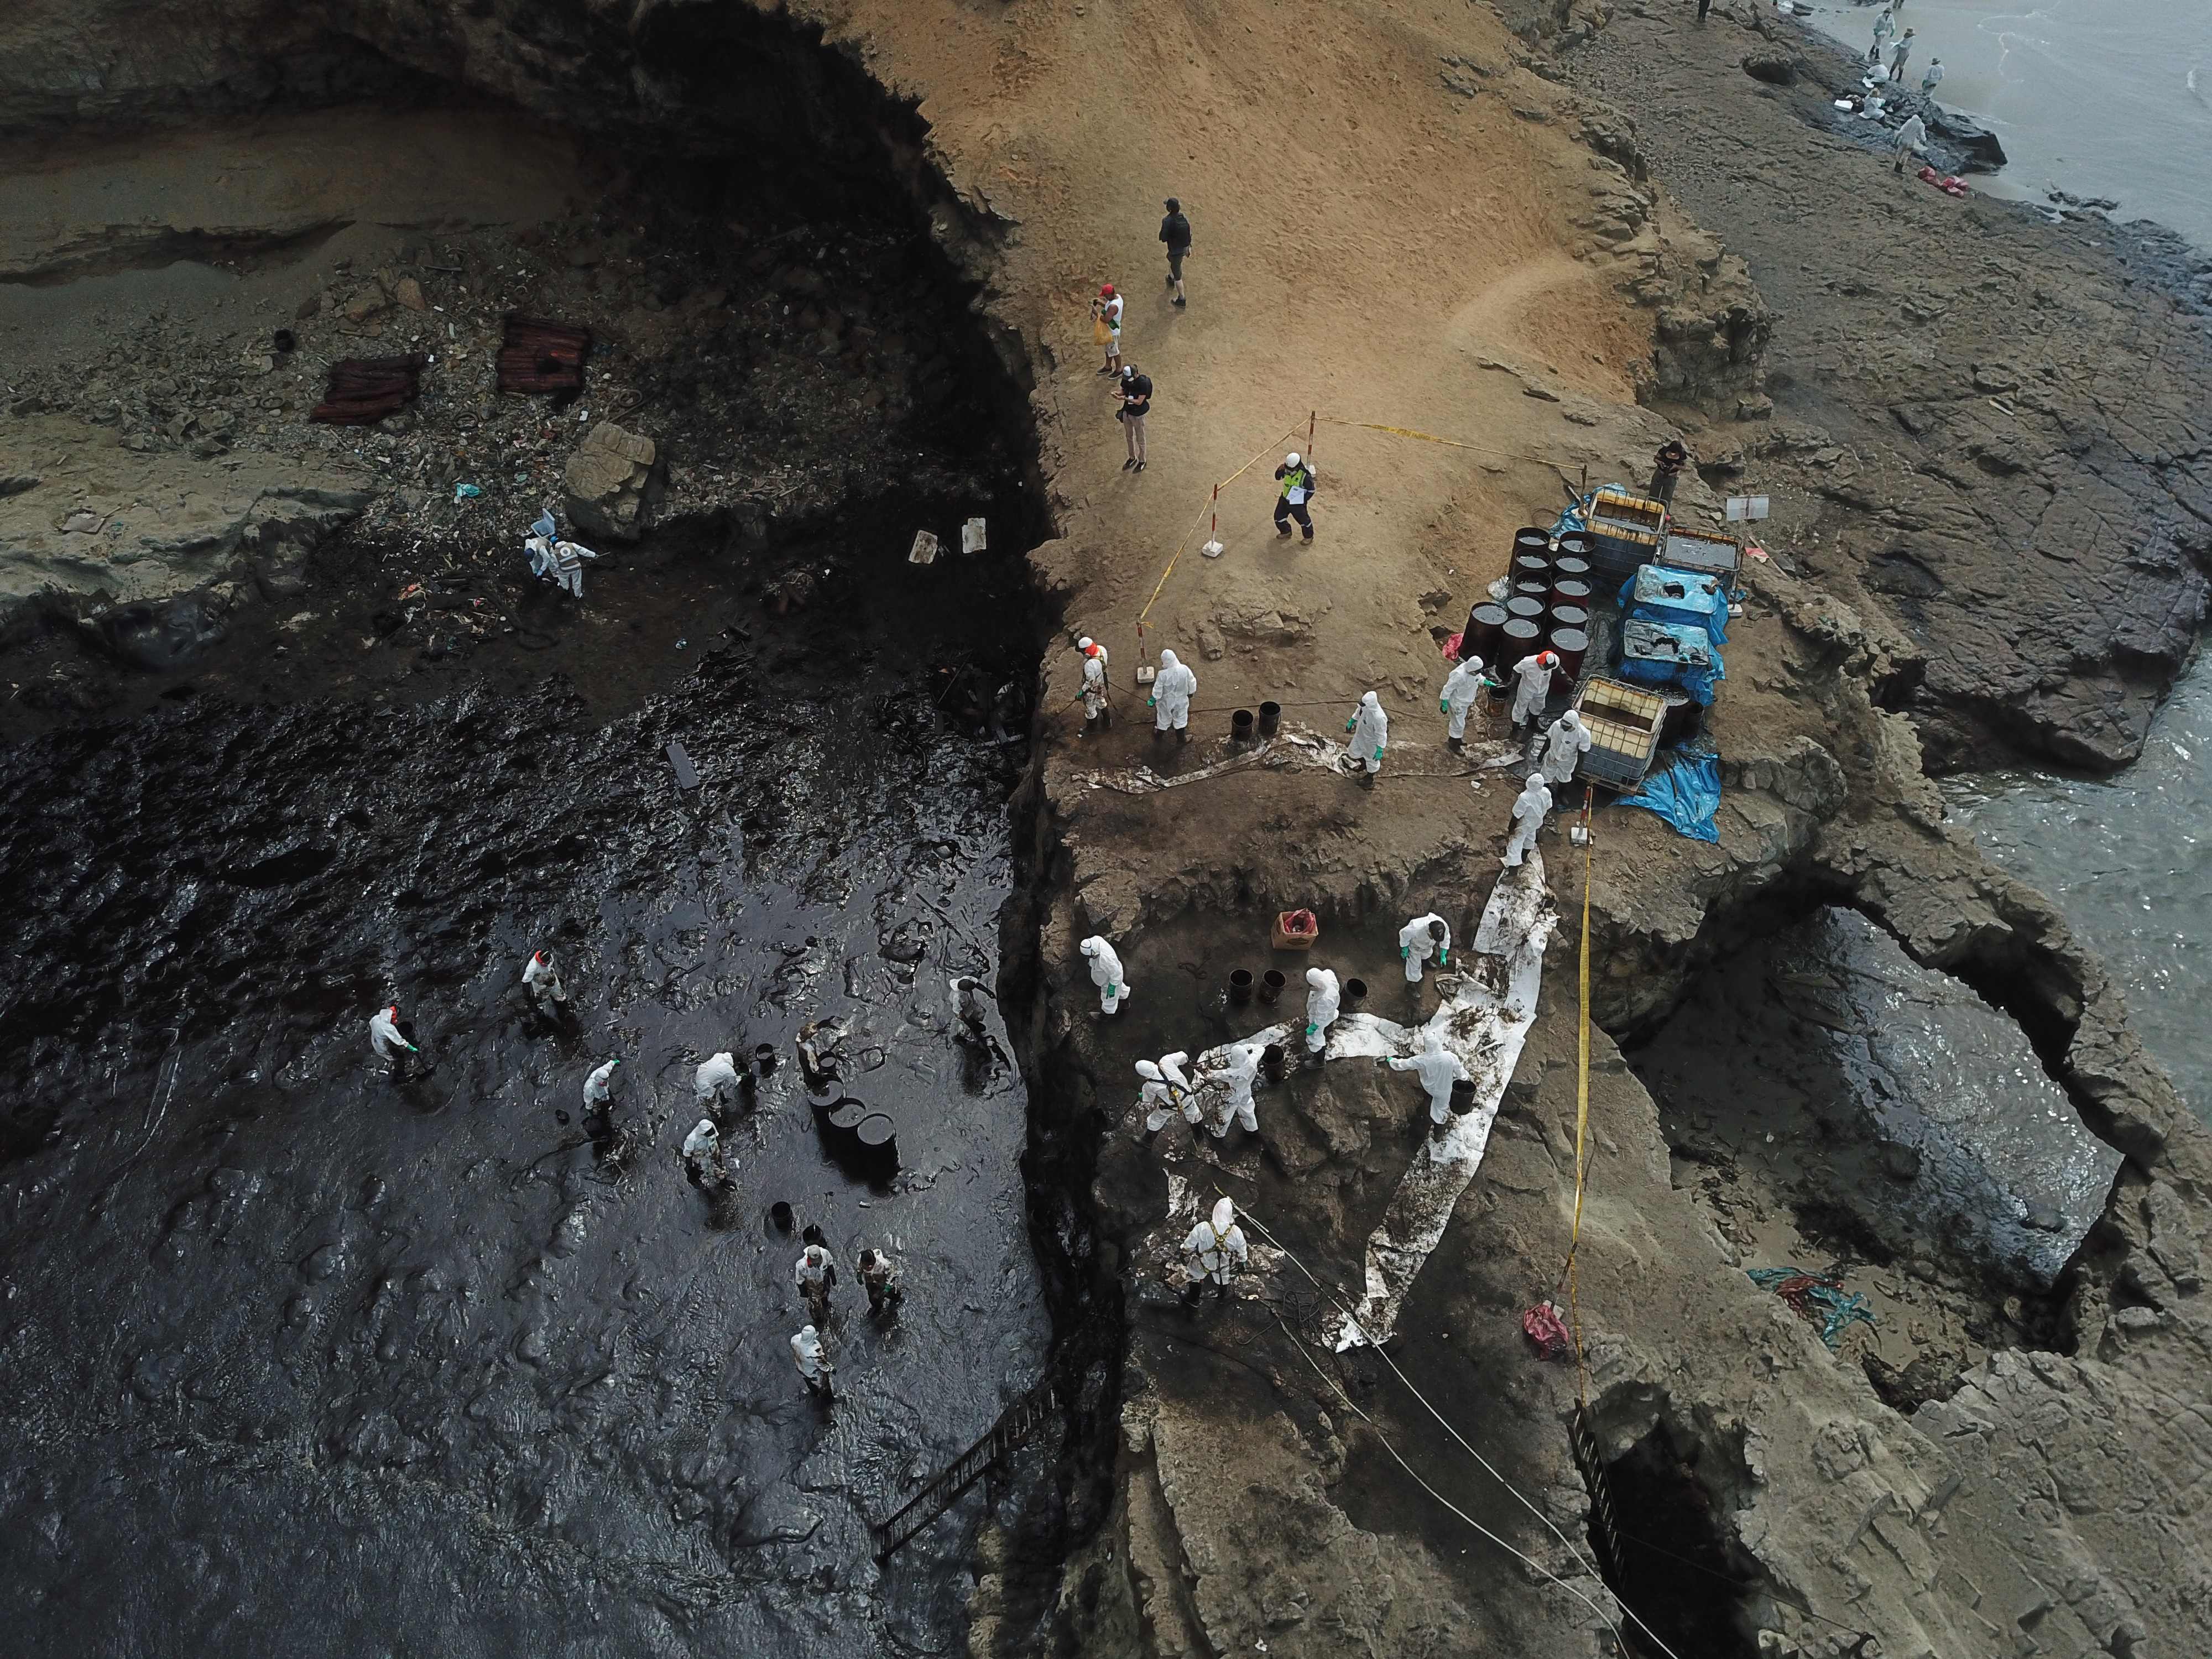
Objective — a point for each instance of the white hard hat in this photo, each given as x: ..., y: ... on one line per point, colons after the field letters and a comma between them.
x: 1084, y: 643
x: 1290, y: 459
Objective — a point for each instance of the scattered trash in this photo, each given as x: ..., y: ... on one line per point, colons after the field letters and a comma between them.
x: 1543, y: 1327
x: 466, y: 492
x: 972, y: 535
x: 285, y: 341
x: 687, y: 775
x: 362, y: 390
x: 1817, y: 1298
x: 680, y: 644
x: 409, y: 590
x: 924, y: 550
x: 540, y: 355
x: 1742, y: 507
x: 1296, y: 930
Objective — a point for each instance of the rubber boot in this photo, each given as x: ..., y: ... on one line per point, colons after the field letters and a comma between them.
x: 1183, y: 734
x: 1367, y: 778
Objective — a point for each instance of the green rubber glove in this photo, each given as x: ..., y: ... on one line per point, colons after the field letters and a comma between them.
x: 1444, y: 705
x: 1404, y: 951
x: 1310, y: 1030
x: 1443, y: 956
x: 1150, y: 702
x: 1378, y: 751
x: 1353, y: 721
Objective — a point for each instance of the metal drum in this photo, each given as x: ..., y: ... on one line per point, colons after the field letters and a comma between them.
x: 1573, y: 645
x: 1486, y: 627
x: 1563, y: 617
x: 1531, y: 567
x: 1533, y: 539
x: 1570, y: 590
x: 1540, y: 592
x: 1521, y: 638
x: 1525, y: 609
x: 876, y: 1145
x: 1571, y: 567
x: 1574, y: 545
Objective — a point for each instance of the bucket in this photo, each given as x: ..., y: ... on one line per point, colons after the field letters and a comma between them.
x: 1533, y: 539
x: 1532, y: 567
x: 1564, y: 617
x: 1355, y: 993
x: 1271, y: 719
x: 1522, y: 639
x: 1240, y: 725
x: 779, y: 1214
x: 1240, y: 988
x: 876, y: 1145
x: 840, y: 1121
x: 1462, y: 1097
x: 1573, y: 645
x: 1486, y: 626
x: 1271, y: 986
x: 1570, y: 590
x: 1275, y: 1060
x: 764, y: 1057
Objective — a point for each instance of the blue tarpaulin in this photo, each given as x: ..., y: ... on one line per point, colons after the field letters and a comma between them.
x: 1687, y: 795
x: 1658, y: 593
x: 1669, y: 653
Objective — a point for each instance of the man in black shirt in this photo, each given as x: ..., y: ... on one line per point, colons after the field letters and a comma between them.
x: 1136, y: 393
x: 1667, y: 469
x: 1175, y: 231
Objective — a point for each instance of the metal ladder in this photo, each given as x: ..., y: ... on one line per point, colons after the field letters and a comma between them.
x: 1607, y: 1533
x: 1015, y: 1424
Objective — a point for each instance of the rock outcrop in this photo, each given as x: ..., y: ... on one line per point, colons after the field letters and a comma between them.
x: 612, y: 483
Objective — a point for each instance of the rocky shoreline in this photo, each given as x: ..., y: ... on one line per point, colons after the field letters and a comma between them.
x: 1983, y: 435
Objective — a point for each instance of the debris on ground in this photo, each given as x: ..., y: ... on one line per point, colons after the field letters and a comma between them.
x: 362, y: 390
x: 1817, y: 1298
x: 539, y: 355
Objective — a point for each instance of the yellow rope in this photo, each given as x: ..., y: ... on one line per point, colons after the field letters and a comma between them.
x: 1430, y: 438
x: 1265, y: 449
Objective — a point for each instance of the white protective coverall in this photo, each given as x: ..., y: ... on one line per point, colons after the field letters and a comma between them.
x: 1416, y: 943
x: 598, y: 1087
x: 1217, y: 1248
x: 1530, y: 808
x: 1564, y: 745
x: 1094, y: 686
x: 542, y: 978
x: 1461, y: 687
x: 1172, y: 693
x: 1321, y: 998
x: 715, y: 1074
x: 1105, y: 973
x: 703, y: 1140
x: 1439, y: 1068
x: 812, y: 1359
x: 1371, y: 732
x: 1239, y: 1072
x: 384, y: 1039
x: 1535, y: 674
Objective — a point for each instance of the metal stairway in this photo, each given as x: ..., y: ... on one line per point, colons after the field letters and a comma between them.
x: 1015, y: 1424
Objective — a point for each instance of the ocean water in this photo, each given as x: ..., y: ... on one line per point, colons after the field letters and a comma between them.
x: 2100, y: 98
x: 2129, y: 858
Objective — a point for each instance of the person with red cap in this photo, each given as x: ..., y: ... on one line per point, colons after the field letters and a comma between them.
x: 542, y: 980
x: 1106, y: 313
x: 385, y: 1042
x: 1535, y: 674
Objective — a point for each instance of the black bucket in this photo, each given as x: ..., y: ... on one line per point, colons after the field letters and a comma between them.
x: 1240, y: 988
x: 1240, y: 725
x: 779, y: 1213
x: 1355, y: 993
x: 764, y: 1057
x: 1271, y: 986
x: 1271, y: 719
x: 875, y: 1145
x: 1275, y: 1061
x: 1462, y: 1097
x: 840, y: 1121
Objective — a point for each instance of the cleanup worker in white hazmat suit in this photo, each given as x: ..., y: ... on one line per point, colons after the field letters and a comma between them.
x: 1439, y: 1068
x: 1159, y: 1099
x: 1238, y: 1072
x: 1105, y: 973
x: 702, y: 1154
x: 716, y: 1073
x: 1535, y: 674
x: 1217, y: 1251
x: 542, y: 980
x: 598, y: 1087
x: 1419, y: 939
x: 1564, y: 745
x: 1371, y: 735
x: 1461, y: 687
x: 385, y: 1042
x: 1322, y: 996
x: 1530, y: 808
x: 813, y: 1275
x: 1170, y: 700
x: 813, y: 1361
x: 1097, y: 711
